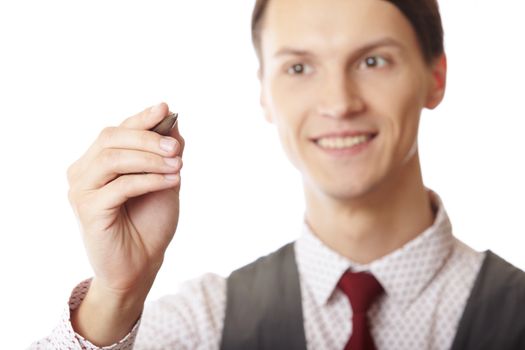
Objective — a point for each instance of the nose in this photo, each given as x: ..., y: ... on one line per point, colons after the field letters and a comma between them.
x: 339, y: 97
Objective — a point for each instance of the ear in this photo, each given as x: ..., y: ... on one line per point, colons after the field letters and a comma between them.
x: 438, y: 83
x: 263, y: 98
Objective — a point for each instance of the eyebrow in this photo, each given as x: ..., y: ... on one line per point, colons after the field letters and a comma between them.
x: 289, y: 51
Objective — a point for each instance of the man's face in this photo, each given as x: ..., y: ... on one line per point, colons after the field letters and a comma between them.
x: 344, y: 81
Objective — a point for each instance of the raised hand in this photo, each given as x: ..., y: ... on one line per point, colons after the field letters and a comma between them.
x: 125, y: 193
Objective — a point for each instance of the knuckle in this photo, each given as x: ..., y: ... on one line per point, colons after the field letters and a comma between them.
x: 123, y: 183
x: 82, y: 206
x: 70, y: 173
x: 145, y: 140
x: 129, y: 119
x: 107, y: 134
x: 110, y: 157
x: 154, y: 161
x: 74, y: 172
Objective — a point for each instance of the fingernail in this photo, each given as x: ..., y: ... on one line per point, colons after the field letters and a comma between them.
x: 155, y: 109
x: 172, y: 162
x: 171, y: 177
x: 167, y: 144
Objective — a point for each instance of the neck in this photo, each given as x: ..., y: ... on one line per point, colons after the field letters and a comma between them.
x: 374, y: 224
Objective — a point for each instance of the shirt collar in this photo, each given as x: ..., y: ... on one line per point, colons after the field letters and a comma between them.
x: 403, y: 273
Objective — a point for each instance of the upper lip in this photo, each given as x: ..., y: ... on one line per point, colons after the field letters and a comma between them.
x: 346, y: 133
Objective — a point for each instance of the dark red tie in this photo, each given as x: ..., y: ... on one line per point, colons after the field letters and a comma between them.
x: 362, y: 289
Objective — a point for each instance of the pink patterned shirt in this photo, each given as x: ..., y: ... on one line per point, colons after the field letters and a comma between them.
x: 426, y: 282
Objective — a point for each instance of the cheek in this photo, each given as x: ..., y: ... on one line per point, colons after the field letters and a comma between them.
x: 399, y: 106
x: 288, y: 110
x: 408, y: 115
x: 288, y: 95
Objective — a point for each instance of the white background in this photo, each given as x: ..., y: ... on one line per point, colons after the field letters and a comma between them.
x: 68, y: 69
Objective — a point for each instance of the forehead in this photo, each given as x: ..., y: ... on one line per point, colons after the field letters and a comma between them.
x: 333, y: 23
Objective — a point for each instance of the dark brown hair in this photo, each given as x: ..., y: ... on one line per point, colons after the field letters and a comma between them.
x: 422, y: 14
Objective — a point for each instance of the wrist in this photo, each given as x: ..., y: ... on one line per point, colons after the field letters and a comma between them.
x: 117, y: 299
x: 106, y: 316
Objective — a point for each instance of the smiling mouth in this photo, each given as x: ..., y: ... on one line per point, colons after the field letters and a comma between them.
x: 343, y: 142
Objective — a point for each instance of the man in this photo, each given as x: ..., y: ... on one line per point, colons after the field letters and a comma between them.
x: 377, y: 266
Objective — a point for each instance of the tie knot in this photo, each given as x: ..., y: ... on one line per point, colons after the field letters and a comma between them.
x: 361, y: 288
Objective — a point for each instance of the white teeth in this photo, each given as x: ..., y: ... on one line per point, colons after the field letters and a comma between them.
x: 342, y: 142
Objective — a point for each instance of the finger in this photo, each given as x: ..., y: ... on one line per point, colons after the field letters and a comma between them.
x: 118, y: 191
x: 112, y: 163
x: 175, y: 133
x: 148, y: 118
x: 140, y: 140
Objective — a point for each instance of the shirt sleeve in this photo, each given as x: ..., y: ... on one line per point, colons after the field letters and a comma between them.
x: 190, y: 319
x: 64, y: 337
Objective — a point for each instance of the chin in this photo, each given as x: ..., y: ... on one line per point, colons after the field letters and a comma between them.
x: 347, y: 193
x: 341, y: 190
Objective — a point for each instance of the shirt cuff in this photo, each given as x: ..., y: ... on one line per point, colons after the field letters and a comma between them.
x: 64, y: 336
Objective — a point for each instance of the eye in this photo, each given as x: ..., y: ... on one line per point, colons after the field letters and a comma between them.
x: 373, y: 62
x: 299, y: 69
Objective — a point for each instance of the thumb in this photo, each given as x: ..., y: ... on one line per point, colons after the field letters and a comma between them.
x: 146, y: 119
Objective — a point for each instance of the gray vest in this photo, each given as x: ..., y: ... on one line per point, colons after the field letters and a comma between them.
x: 264, y: 311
